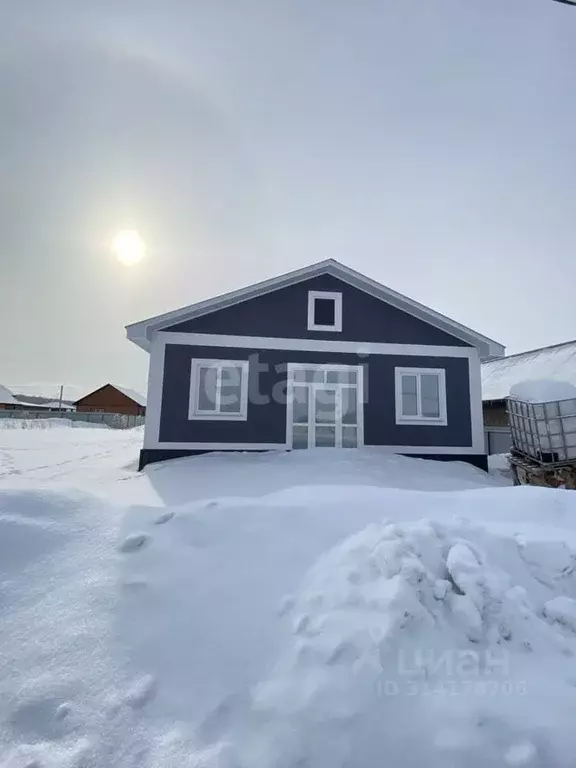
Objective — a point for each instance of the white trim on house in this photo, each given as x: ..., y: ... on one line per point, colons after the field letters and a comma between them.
x: 358, y: 386
x: 156, y: 383
x: 362, y: 394
x: 143, y: 332
x: 314, y: 345
x: 336, y: 298
x: 420, y: 419
x: 219, y: 446
x: 195, y: 413
x: 424, y: 450
x: 154, y: 393
x: 476, y: 415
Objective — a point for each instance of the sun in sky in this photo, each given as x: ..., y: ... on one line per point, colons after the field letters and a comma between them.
x: 128, y: 247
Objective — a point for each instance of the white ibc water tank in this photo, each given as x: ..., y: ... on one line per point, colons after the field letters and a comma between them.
x: 543, y: 419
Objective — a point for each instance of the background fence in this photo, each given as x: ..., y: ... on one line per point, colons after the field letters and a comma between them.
x: 113, y: 420
x: 498, y: 439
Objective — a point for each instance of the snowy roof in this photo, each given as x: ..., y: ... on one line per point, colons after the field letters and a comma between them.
x: 6, y: 397
x: 557, y: 362
x: 31, y: 404
x: 132, y: 394
x: 49, y: 390
x: 52, y: 404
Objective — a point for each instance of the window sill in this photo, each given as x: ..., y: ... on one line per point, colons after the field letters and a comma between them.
x: 330, y: 328
x: 421, y: 421
x: 217, y: 417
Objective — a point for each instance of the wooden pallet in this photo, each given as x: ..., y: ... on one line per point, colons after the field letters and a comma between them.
x: 528, y: 472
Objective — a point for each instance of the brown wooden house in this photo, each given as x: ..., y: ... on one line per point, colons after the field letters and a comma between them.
x: 113, y: 399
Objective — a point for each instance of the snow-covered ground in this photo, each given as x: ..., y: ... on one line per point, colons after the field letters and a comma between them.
x: 40, y: 451
x: 324, y: 609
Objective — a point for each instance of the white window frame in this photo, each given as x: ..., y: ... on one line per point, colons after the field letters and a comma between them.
x: 322, y: 369
x: 337, y: 298
x: 442, y: 419
x: 194, y: 412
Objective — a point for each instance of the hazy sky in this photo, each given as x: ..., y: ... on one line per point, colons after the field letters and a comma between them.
x: 431, y: 145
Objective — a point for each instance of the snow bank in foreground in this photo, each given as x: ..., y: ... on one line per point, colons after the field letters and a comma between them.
x: 444, y: 642
x: 49, y: 423
x: 543, y: 390
x: 426, y: 644
x: 253, y: 632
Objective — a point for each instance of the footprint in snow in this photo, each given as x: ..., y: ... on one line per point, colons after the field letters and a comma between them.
x: 141, y: 692
x: 133, y: 542
x: 63, y: 711
x: 42, y: 719
x: 521, y: 754
x: 286, y: 605
x: 164, y: 517
x: 221, y: 718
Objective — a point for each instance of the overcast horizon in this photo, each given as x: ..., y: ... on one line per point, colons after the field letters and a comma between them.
x: 430, y: 146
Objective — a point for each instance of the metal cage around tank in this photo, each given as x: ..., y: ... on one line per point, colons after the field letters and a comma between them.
x: 543, y: 432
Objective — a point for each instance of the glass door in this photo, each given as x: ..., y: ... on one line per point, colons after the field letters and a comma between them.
x: 325, y: 406
x: 324, y: 421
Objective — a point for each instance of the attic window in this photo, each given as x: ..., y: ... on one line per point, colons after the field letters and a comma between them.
x: 324, y: 311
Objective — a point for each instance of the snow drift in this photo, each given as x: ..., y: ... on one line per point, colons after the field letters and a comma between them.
x: 341, y: 625
x: 543, y: 390
x: 443, y: 629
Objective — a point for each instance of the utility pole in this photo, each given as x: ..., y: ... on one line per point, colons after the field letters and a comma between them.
x: 61, y: 396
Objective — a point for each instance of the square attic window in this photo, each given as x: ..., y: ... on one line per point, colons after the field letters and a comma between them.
x: 324, y: 311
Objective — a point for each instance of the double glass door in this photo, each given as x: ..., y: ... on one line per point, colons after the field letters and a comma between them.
x: 325, y: 407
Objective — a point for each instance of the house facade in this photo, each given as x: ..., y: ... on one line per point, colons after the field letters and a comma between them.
x: 112, y: 398
x: 319, y: 357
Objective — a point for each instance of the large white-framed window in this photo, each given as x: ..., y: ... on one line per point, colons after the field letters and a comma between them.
x: 324, y: 311
x: 421, y: 396
x: 219, y: 390
x: 325, y: 406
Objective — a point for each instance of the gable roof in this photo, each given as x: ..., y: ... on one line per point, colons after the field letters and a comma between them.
x: 131, y: 394
x: 141, y: 333
x: 6, y: 397
x: 557, y: 362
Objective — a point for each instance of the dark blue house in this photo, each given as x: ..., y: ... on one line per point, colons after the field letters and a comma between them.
x: 319, y: 357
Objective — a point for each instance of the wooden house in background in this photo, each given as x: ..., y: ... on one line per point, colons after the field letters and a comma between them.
x: 112, y: 398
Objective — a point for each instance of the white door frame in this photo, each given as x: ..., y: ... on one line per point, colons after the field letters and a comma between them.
x: 292, y: 367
